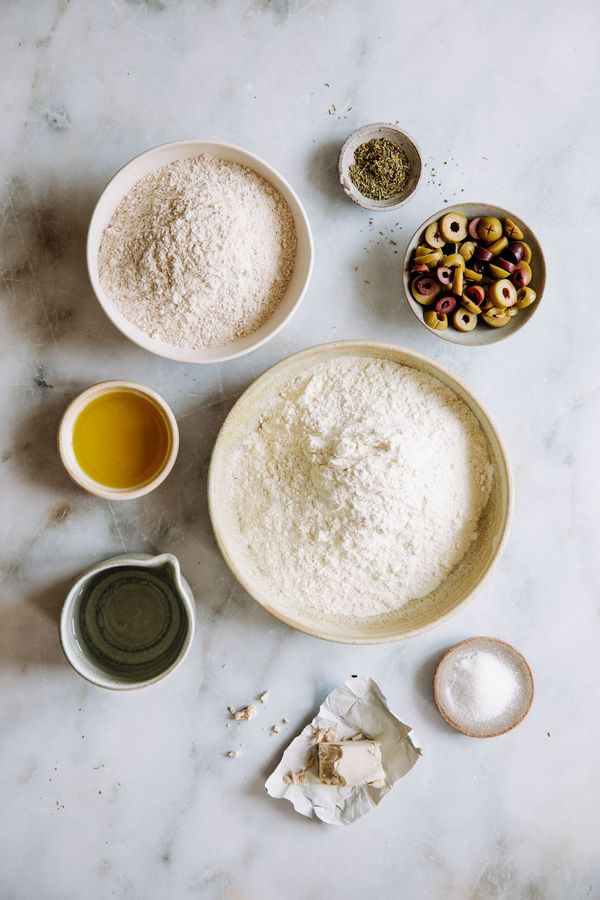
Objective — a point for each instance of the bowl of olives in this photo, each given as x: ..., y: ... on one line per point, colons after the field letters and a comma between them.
x: 474, y: 273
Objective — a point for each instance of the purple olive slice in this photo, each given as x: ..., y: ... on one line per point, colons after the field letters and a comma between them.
x: 444, y: 275
x: 483, y: 254
x: 445, y: 304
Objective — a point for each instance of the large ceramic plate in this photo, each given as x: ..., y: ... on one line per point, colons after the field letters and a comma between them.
x: 417, y: 616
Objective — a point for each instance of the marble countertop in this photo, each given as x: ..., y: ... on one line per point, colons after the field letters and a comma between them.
x: 131, y: 796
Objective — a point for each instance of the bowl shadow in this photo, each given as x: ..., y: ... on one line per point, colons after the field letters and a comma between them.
x: 29, y: 628
x: 48, y: 296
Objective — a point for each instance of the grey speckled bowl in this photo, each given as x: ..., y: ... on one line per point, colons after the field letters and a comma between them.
x: 368, y: 133
x: 482, y: 334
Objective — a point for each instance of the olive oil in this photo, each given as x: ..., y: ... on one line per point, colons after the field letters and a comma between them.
x: 121, y: 439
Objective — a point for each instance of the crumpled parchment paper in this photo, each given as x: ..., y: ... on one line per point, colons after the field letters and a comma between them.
x: 358, y: 706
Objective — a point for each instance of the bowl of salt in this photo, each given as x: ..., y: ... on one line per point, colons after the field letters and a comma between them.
x: 483, y: 687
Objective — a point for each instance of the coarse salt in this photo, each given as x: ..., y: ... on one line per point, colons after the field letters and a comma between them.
x: 480, y: 687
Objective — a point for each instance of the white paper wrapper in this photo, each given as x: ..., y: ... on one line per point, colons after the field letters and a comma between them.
x: 358, y: 706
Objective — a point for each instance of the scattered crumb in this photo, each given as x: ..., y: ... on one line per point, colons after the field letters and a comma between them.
x: 264, y: 696
x: 358, y: 737
x: 321, y: 735
x: 244, y: 714
x: 234, y: 754
x: 296, y: 777
x: 275, y: 729
x: 284, y: 721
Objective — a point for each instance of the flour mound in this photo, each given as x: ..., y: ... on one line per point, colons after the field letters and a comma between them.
x: 199, y: 252
x: 361, y: 489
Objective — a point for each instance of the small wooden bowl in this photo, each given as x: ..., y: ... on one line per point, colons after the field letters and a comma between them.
x: 368, y: 133
x: 484, y: 643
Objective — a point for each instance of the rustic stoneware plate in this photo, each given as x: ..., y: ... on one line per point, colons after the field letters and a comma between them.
x: 482, y: 334
x: 416, y: 617
x: 160, y: 156
x: 526, y: 686
x: 368, y: 133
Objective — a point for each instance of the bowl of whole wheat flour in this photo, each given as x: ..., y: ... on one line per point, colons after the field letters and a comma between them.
x: 359, y: 492
x: 199, y: 251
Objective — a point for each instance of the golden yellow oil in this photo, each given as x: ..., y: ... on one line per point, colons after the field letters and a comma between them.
x: 121, y: 439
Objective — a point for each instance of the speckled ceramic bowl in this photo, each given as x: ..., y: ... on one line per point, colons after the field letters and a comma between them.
x: 416, y: 617
x: 346, y: 159
x: 524, y: 675
x: 482, y: 334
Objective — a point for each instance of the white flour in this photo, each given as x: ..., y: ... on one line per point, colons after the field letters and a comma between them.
x: 361, y: 489
x: 199, y: 252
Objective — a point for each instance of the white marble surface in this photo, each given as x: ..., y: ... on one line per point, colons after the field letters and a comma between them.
x: 131, y: 796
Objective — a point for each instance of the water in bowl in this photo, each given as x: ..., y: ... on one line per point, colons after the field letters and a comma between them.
x: 131, y: 623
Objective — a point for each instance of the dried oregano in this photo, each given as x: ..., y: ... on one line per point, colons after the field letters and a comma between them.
x: 380, y: 169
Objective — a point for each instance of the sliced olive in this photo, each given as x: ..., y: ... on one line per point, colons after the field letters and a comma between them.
x: 427, y: 259
x: 458, y: 282
x: 476, y: 294
x: 527, y: 254
x: 525, y: 297
x: 453, y: 226
x: 437, y: 321
x: 422, y: 249
x: 424, y: 289
x: 433, y: 236
x: 511, y: 311
x: 503, y: 293
x: 522, y: 274
x: 455, y: 259
x: 498, y: 246
x: 483, y: 254
x: 463, y: 319
x: 506, y: 264
x: 467, y: 250
x: 495, y: 318
x: 471, y: 275
x: 489, y: 229
x: 470, y: 305
x: 512, y: 230
x: 498, y: 272
x: 445, y: 304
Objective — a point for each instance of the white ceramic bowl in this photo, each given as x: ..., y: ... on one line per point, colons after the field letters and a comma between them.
x: 153, y: 159
x: 482, y: 334
x: 65, y: 440
x: 418, y: 616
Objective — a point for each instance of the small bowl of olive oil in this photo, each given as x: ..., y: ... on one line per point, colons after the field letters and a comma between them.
x: 128, y: 621
x: 118, y: 440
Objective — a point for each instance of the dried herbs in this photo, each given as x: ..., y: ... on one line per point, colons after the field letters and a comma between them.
x: 380, y: 170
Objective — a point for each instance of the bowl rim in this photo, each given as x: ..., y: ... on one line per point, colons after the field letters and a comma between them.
x: 244, y: 581
x: 360, y: 199
x: 144, y: 560
x: 65, y: 433
x: 168, y: 351
x: 437, y: 677
x: 499, y: 333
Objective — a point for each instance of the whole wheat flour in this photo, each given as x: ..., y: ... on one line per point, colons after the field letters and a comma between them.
x: 199, y: 252
x: 361, y: 488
